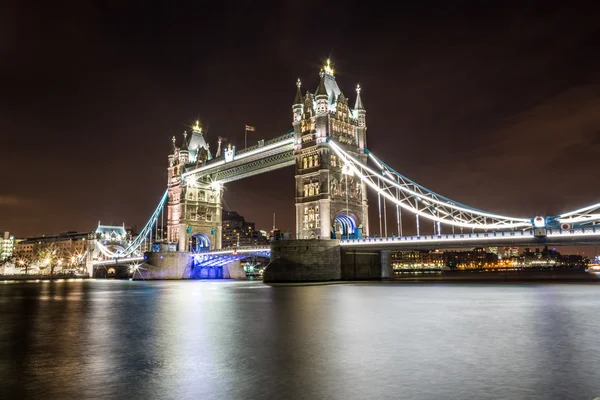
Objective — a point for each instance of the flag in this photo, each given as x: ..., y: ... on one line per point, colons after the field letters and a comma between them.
x: 250, y: 128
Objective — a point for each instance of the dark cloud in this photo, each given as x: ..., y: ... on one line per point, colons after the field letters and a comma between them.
x: 494, y: 105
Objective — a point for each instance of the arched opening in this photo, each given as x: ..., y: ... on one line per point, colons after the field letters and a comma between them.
x: 198, y: 243
x: 344, y: 227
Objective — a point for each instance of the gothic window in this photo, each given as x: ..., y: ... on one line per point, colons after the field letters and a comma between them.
x: 316, y: 184
x: 333, y: 161
x: 208, y: 217
x: 201, y: 196
x: 311, y: 189
x: 304, y: 163
x: 305, y: 190
x: 305, y: 224
x: 316, y: 160
x: 310, y: 162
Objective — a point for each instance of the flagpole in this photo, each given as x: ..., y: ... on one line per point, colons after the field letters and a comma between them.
x: 246, y: 137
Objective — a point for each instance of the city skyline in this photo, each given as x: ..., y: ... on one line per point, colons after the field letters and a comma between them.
x: 501, y: 114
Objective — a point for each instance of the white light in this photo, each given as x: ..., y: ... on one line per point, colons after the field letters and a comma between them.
x: 216, y: 185
x: 511, y: 223
x: 282, y: 143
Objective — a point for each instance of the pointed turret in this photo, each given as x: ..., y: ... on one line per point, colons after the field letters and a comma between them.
x: 358, y: 105
x: 298, y: 99
x: 321, y: 90
x: 298, y: 103
x: 218, y: 154
x: 321, y: 96
x: 361, y: 115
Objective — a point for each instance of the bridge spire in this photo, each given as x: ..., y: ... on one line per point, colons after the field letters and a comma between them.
x: 358, y: 105
x: 321, y: 90
x: 298, y: 99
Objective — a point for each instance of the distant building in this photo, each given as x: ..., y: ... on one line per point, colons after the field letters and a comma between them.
x: 278, y: 234
x: 510, y: 252
x: 477, y: 258
x: 237, y: 232
x: 68, y: 247
x: 418, y: 259
x: 7, y: 243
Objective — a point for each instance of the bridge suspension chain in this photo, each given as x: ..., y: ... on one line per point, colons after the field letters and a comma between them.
x: 584, y: 216
x: 144, y: 235
x: 415, y: 198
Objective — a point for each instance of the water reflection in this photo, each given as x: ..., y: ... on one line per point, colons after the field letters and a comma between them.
x: 246, y: 340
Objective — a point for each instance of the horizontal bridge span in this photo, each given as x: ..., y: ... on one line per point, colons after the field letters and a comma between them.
x: 554, y: 237
x: 255, y: 167
x: 271, y: 155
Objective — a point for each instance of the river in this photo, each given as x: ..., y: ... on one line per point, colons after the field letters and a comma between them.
x: 100, y: 339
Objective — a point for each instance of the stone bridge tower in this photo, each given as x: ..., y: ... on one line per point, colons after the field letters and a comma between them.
x: 330, y: 201
x: 194, y: 203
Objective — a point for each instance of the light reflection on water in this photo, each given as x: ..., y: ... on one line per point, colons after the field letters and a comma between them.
x: 246, y: 340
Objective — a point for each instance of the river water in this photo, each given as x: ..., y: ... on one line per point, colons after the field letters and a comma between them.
x: 245, y: 340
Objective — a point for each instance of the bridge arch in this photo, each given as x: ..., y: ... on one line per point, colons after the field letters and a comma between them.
x: 344, y: 226
x: 199, y: 243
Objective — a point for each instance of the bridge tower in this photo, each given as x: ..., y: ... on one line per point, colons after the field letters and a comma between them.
x: 194, y: 205
x: 330, y: 201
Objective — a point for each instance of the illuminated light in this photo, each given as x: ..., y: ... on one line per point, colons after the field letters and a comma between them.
x: 216, y: 185
x: 347, y: 170
x: 539, y: 222
x: 328, y: 69
x: 518, y: 222
x: 282, y: 143
x: 197, y: 128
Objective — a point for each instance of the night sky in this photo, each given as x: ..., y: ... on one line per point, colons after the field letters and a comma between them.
x: 496, y: 107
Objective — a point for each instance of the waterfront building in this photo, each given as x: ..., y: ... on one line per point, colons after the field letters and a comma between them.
x: 510, y: 252
x: 67, y: 248
x: 418, y: 259
x: 7, y: 243
x: 477, y: 258
x: 237, y: 232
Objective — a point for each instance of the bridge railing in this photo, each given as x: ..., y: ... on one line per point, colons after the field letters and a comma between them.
x: 595, y: 230
x: 450, y: 236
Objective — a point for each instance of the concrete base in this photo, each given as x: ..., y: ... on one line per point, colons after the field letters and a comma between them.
x: 311, y: 260
x: 165, y: 265
x: 319, y: 260
x: 234, y: 270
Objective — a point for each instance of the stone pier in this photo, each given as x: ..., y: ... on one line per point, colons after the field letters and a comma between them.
x: 165, y: 265
x: 319, y: 260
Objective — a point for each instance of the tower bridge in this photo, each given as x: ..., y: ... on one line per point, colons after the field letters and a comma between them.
x: 334, y: 170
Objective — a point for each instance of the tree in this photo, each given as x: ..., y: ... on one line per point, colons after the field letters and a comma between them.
x: 47, y: 255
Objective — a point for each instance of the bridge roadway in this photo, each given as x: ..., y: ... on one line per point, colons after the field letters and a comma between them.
x: 554, y: 237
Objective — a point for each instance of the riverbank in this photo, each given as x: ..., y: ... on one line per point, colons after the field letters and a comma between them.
x: 557, y: 275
